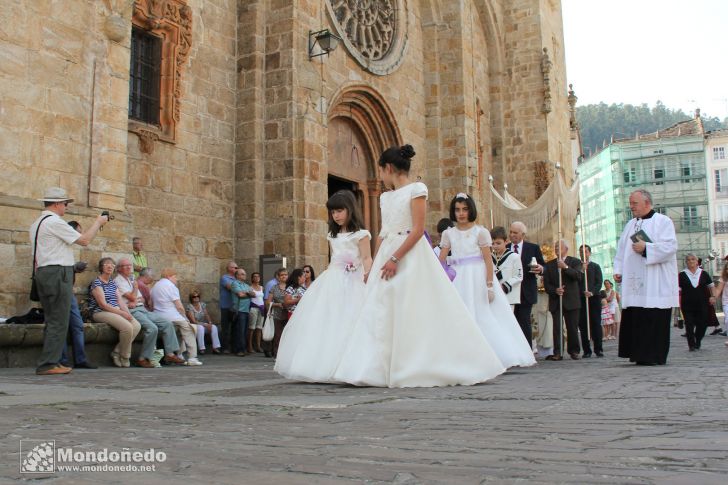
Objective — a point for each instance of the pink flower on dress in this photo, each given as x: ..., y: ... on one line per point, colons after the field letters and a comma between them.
x: 350, y: 267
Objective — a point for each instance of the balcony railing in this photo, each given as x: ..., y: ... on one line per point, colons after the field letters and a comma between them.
x: 691, y: 224
x: 720, y: 227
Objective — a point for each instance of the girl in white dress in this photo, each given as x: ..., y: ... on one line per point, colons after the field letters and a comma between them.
x: 413, y: 330
x: 313, y: 340
x: 478, y: 286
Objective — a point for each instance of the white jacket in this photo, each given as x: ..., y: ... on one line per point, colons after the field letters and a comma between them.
x: 509, y: 272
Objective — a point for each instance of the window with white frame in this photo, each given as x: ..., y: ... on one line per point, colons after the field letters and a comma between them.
x: 718, y: 153
x: 690, y: 215
x: 630, y: 175
x: 721, y: 181
x: 721, y: 213
x: 686, y: 169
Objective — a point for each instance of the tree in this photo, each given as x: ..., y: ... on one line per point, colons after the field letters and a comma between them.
x: 599, y: 122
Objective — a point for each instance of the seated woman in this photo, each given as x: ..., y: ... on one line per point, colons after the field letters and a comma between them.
x: 107, y: 306
x: 197, y: 313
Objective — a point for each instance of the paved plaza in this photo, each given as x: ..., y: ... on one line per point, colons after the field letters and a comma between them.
x: 234, y: 420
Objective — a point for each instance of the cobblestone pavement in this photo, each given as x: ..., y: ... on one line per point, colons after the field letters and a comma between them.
x: 234, y: 420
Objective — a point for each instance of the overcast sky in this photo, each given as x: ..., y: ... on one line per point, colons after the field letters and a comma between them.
x: 639, y: 51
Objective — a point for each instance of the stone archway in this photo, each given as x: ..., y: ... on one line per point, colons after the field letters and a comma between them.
x: 360, y: 127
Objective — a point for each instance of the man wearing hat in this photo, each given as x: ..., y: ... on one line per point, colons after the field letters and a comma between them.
x: 54, y: 273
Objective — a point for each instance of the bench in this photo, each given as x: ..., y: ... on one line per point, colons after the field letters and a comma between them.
x: 21, y: 344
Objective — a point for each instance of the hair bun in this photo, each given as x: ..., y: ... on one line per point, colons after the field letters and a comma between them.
x: 407, y: 151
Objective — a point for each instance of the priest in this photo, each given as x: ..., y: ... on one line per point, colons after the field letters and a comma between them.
x: 646, y: 266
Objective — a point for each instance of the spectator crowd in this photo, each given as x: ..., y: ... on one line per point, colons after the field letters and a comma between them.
x: 125, y: 296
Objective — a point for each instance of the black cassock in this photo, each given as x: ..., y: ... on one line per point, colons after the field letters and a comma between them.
x: 644, y: 335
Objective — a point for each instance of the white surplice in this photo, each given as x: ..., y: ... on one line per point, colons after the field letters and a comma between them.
x: 649, y: 282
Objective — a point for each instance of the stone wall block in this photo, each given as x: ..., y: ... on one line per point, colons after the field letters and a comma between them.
x: 118, y: 59
x: 64, y: 41
x: 207, y: 270
x: 162, y: 179
x: 13, y: 60
x: 111, y: 166
x: 119, y: 95
x: 209, y: 188
x: 182, y: 182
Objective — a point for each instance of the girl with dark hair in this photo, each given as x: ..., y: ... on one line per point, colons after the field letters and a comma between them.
x: 348, y: 218
x: 478, y: 285
x: 399, y: 340
x: 315, y: 337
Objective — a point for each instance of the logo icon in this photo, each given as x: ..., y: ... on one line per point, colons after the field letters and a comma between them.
x: 37, y: 456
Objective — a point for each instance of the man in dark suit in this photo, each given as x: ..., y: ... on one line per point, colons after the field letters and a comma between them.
x: 529, y: 290
x: 594, y: 281
x: 572, y: 277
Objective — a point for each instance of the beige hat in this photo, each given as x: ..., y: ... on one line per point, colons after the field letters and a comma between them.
x: 56, y: 194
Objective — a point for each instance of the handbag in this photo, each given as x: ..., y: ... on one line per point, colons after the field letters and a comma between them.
x: 268, y: 326
x: 34, y: 296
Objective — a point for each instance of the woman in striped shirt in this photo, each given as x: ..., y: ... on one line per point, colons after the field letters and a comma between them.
x: 107, y: 306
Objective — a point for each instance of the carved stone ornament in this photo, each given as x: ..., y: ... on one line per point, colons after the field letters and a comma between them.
x: 541, y: 177
x: 171, y: 20
x: 146, y: 141
x: 573, y: 123
x: 546, y: 66
x: 374, y: 31
x: 116, y: 28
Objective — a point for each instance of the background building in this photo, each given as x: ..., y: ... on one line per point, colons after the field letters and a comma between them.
x: 716, y: 156
x: 208, y: 129
x: 670, y: 164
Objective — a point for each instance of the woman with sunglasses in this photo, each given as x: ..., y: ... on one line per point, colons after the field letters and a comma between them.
x: 197, y: 313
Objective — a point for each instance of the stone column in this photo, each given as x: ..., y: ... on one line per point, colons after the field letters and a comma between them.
x: 374, y: 191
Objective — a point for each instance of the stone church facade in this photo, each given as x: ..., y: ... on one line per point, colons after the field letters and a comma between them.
x: 250, y: 134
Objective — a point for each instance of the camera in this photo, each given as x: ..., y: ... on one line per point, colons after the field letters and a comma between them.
x: 79, y: 266
x: 108, y: 216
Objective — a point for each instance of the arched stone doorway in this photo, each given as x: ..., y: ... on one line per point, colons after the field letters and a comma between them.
x: 360, y: 127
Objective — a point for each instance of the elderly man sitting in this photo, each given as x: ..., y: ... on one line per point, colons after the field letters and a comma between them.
x: 145, y: 281
x: 152, y: 323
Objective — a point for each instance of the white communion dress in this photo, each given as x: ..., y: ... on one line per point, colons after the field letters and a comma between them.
x: 314, y: 338
x: 413, y: 329
x: 495, y: 319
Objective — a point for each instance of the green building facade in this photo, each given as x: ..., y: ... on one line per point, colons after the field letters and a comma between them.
x: 670, y: 164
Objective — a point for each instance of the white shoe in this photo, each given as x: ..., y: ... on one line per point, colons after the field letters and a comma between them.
x: 193, y: 361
